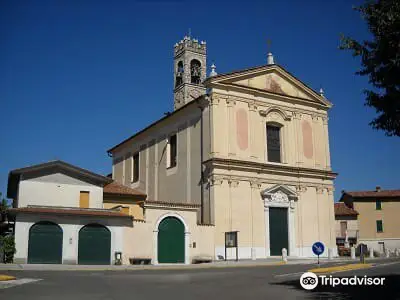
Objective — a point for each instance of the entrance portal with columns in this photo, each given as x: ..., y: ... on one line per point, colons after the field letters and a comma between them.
x: 279, y: 212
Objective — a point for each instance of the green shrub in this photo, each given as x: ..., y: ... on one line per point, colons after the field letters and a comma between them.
x: 7, y: 246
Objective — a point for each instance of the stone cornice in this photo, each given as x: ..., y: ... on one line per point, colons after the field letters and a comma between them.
x: 262, y: 93
x: 263, y: 105
x: 257, y: 182
x: 267, y: 168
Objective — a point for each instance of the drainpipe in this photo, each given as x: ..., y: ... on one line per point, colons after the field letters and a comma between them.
x: 200, y: 105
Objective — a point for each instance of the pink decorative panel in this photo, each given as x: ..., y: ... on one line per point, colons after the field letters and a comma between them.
x: 242, y: 129
x: 307, y: 140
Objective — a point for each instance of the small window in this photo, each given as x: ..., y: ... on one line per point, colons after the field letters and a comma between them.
x: 378, y: 205
x: 135, y: 167
x: 84, y: 199
x: 273, y: 144
x: 172, y: 151
x: 379, y: 226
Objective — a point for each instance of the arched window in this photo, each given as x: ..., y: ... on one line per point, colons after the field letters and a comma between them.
x: 274, y: 143
x: 195, y: 71
x: 179, y: 74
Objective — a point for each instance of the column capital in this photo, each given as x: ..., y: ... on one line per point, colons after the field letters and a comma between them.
x: 301, y: 189
x: 233, y: 183
x: 255, y: 184
x: 252, y: 106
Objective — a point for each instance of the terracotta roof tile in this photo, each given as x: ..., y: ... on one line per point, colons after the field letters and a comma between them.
x: 342, y: 209
x: 380, y: 194
x: 70, y: 211
x: 119, y: 189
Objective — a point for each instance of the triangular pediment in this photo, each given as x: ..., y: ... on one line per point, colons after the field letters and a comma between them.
x: 270, y: 79
x: 280, y: 190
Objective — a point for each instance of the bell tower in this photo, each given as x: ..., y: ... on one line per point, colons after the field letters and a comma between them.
x: 189, y: 70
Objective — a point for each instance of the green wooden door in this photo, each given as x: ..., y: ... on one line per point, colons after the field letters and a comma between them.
x: 278, y: 230
x: 45, y: 244
x: 94, y: 245
x: 171, y: 241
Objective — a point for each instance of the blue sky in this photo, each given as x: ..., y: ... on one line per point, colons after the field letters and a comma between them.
x: 77, y: 77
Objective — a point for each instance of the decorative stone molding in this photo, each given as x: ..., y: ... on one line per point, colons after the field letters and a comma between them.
x: 231, y: 102
x: 252, y: 106
x: 330, y: 190
x: 319, y: 189
x: 214, y: 100
x: 277, y: 111
x: 216, y: 180
x: 315, y: 118
x: 325, y: 120
x: 255, y: 184
x: 279, y: 196
x: 301, y: 189
x: 233, y: 183
x: 297, y: 115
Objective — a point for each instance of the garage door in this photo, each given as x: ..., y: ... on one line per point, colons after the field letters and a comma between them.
x: 45, y: 244
x: 171, y: 241
x: 94, y: 246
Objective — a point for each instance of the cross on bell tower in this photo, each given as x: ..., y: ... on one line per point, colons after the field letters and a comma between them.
x: 189, y: 70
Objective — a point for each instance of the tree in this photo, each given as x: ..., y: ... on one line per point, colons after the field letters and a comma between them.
x: 380, y: 60
x: 3, y: 208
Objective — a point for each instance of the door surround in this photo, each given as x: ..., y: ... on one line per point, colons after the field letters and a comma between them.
x: 155, y: 236
x: 282, y: 197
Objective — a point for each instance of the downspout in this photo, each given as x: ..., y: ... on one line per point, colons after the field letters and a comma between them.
x: 201, y: 164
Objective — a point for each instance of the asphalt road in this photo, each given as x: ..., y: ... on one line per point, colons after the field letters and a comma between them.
x: 268, y: 282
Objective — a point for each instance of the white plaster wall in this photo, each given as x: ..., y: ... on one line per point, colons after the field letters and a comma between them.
x: 58, y: 190
x: 140, y: 241
x: 390, y: 244
x: 70, y: 228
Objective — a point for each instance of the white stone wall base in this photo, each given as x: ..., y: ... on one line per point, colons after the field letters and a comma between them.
x: 262, y: 253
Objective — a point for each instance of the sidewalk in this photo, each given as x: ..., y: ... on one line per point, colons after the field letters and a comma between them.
x: 215, y: 264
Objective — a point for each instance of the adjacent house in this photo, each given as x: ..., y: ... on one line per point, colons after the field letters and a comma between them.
x: 378, y: 217
x: 346, y: 226
x: 60, y: 214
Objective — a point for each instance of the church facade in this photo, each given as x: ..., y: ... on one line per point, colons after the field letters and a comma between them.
x: 243, y: 160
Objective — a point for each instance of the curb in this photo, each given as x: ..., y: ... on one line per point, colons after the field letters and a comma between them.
x: 342, y: 268
x: 6, y: 277
x: 158, y: 268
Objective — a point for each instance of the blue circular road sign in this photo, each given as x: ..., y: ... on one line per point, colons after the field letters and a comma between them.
x: 318, y: 248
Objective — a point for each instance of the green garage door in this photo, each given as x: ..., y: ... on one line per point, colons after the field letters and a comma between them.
x: 94, y: 246
x: 171, y: 241
x: 278, y: 230
x: 45, y: 244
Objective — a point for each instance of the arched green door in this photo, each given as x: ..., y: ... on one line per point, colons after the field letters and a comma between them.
x: 94, y: 245
x: 171, y: 241
x: 45, y: 243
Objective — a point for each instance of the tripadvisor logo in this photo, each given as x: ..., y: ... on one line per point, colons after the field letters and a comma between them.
x: 309, y: 280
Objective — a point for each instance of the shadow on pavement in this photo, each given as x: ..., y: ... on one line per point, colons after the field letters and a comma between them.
x: 390, y: 289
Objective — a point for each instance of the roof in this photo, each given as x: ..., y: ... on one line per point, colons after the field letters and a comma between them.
x: 114, y: 188
x: 51, y: 167
x: 70, y: 211
x: 169, y: 115
x: 342, y: 209
x: 373, y: 194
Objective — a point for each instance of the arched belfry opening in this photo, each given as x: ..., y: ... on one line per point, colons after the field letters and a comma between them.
x: 179, y: 74
x: 195, y: 71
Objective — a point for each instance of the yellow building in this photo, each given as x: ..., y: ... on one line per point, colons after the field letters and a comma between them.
x: 378, y: 217
x: 243, y: 159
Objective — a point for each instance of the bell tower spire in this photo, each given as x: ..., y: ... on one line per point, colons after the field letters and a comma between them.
x: 189, y: 70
